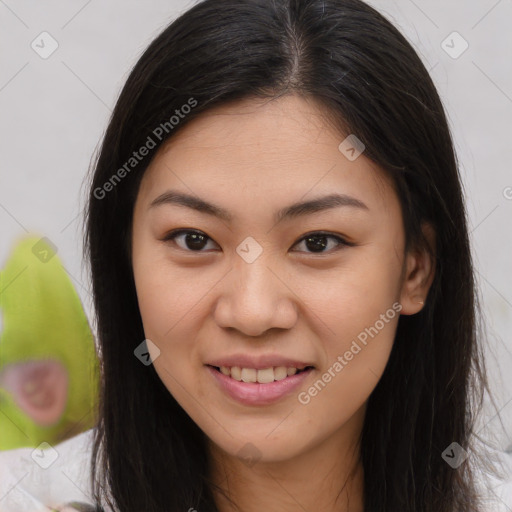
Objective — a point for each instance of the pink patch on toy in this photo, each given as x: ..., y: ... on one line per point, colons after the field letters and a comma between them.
x: 39, y: 388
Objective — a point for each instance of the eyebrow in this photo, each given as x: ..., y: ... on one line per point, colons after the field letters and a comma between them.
x: 173, y: 197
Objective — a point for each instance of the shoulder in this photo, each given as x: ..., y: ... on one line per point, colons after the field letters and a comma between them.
x: 46, y: 477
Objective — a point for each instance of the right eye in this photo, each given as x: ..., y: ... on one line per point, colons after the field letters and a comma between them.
x: 191, y: 240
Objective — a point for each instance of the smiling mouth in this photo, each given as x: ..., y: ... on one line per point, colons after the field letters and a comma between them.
x: 261, y: 376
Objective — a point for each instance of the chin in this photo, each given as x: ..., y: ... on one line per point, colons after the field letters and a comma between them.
x: 260, y: 448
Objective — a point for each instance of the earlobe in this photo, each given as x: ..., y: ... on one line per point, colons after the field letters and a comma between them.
x: 420, y: 264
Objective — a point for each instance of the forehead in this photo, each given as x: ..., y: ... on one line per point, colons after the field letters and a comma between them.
x: 272, y: 151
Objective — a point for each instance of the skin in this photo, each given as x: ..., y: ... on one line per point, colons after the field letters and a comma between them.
x: 254, y: 157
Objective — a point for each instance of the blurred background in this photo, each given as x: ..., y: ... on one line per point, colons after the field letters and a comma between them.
x: 63, y: 64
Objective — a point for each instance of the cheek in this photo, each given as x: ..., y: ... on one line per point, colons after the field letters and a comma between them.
x: 354, y: 365
x: 166, y: 308
x: 346, y: 300
x: 166, y: 296
x: 356, y: 313
x: 169, y: 302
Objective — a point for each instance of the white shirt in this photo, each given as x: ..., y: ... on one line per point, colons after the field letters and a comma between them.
x: 36, y: 480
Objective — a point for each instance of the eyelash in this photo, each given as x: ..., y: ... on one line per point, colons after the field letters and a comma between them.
x: 314, y: 234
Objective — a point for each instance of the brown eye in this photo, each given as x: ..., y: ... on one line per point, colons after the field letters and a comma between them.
x: 319, y: 241
x: 190, y: 240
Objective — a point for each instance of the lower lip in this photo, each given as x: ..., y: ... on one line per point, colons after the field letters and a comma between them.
x: 254, y: 393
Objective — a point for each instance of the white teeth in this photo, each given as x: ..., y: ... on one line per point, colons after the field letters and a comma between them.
x: 249, y: 374
x: 266, y: 375
x: 236, y: 373
x: 280, y: 373
x: 263, y: 376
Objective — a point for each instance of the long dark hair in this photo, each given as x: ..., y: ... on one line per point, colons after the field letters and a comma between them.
x: 148, y: 454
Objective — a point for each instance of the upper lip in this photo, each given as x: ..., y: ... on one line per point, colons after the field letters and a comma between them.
x: 259, y: 362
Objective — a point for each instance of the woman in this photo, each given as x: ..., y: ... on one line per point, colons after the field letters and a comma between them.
x: 282, y: 273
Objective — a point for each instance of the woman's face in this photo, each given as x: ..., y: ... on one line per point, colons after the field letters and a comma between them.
x: 263, y: 287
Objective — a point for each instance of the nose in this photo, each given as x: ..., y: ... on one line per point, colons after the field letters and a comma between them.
x: 255, y: 297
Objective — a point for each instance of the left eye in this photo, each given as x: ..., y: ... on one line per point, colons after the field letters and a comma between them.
x: 319, y: 240
x: 195, y: 241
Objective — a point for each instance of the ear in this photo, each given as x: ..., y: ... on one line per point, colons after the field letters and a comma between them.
x: 39, y: 388
x: 419, y: 274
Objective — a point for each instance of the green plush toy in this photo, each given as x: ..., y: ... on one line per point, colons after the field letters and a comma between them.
x: 49, y: 370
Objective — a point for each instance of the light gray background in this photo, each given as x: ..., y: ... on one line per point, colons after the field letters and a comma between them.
x: 54, y: 111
